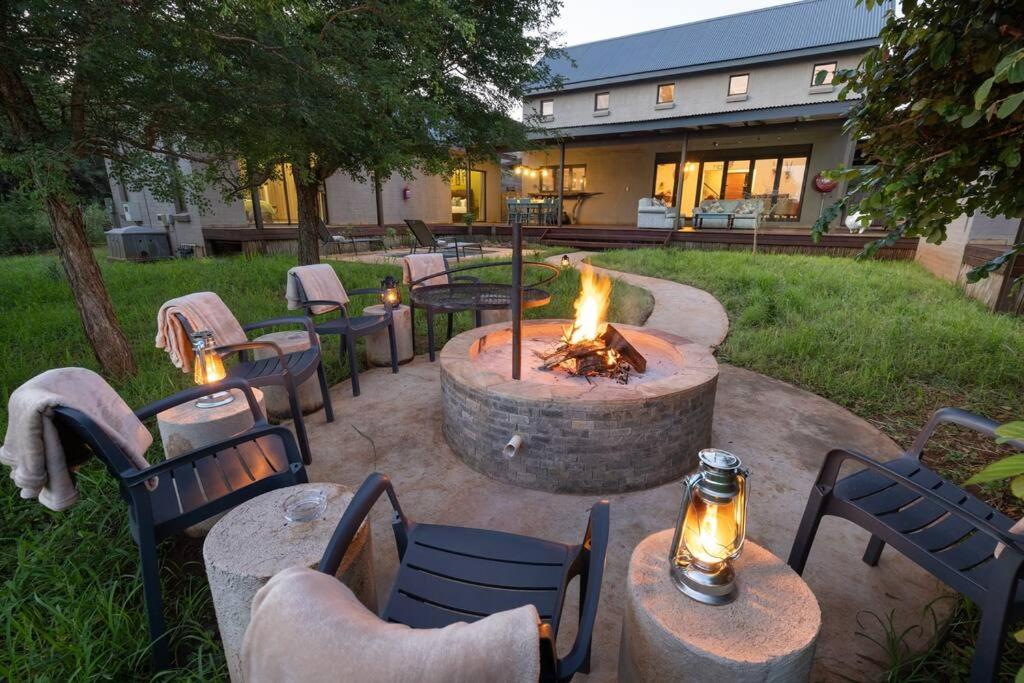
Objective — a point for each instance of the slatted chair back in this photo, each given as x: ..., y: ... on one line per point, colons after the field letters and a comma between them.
x: 424, y: 237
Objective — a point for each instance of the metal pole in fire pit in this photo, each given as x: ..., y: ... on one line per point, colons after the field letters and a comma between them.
x: 517, y: 299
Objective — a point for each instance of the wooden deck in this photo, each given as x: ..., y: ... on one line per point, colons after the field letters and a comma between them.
x: 591, y: 237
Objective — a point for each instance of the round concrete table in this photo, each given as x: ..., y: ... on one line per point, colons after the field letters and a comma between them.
x: 378, y: 349
x: 767, y: 634
x: 255, y: 541
x: 310, y: 398
x: 185, y: 427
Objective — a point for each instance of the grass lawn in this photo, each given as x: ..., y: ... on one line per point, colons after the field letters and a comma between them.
x: 71, y: 605
x: 886, y: 340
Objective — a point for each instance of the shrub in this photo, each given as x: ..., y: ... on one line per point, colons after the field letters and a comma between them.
x: 25, y: 229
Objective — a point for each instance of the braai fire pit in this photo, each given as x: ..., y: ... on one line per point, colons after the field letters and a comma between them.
x: 598, y: 408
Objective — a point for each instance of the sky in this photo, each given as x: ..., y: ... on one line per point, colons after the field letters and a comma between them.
x: 583, y: 21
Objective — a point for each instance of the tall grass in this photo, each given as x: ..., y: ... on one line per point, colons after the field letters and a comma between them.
x: 71, y: 604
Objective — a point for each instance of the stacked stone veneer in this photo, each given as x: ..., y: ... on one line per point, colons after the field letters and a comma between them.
x: 577, y: 439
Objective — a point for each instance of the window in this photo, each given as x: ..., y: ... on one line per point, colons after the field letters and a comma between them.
x: 472, y: 199
x: 601, y: 101
x: 666, y: 93
x: 823, y: 74
x: 547, y: 108
x: 738, y: 84
x: 775, y: 176
x: 573, y: 180
x: 278, y: 201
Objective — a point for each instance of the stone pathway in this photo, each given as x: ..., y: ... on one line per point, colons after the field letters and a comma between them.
x: 779, y: 431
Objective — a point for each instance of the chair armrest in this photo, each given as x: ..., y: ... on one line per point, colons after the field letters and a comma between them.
x: 836, y: 457
x: 195, y: 393
x: 960, y: 417
x: 596, y: 543
x: 355, y: 514
x: 252, y: 345
x: 140, y: 477
x: 304, y: 321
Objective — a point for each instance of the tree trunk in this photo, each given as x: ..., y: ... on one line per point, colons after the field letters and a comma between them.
x: 307, y: 195
x: 102, y: 329
x: 378, y: 200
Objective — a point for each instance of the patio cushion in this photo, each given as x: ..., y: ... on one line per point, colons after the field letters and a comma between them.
x: 308, y: 626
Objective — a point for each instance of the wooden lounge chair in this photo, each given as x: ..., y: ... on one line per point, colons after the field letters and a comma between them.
x: 449, y: 574
x: 935, y: 524
x: 349, y: 328
x: 282, y: 369
x: 191, y: 487
x: 424, y: 239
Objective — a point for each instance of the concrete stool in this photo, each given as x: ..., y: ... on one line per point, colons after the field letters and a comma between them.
x: 503, y: 315
x: 310, y: 398
x: 255, y: 541
x: 185, y: 428
x: 767, y: 634
x: 378, y: 349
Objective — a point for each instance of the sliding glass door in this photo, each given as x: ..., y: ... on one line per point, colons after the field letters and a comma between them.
x: 777, y: 179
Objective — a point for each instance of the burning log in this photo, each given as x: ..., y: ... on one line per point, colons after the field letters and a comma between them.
x: 609, y: 355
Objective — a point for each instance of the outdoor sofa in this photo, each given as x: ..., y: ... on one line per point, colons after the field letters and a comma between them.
x: 742, y: 213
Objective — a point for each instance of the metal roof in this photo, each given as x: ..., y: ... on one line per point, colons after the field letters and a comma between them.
x: 832, y: 109
x: 806, y: 26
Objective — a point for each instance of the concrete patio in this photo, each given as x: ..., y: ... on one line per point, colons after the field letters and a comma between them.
x: 779, y: 431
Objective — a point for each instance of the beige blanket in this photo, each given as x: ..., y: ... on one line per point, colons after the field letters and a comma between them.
x: 32, y: 447
x: 319, y: 281
x: 416, y: 266
x: 204, y: 311
x: 308, y: 626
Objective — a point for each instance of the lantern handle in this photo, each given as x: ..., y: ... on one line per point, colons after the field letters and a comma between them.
x: 688, y: 484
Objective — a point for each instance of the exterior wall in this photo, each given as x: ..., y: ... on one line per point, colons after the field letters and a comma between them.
x: 772, y: 85
x: 623, y: 171
x: 145, y: 209
x: 943, y: 260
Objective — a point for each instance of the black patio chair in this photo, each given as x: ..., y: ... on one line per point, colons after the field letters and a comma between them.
x: 936, y: 524
x: 431, y: 342
x: 282, y: 369
x: 349, y: 328
x: 327, y: 239
x: 425, y: 239
x: 449, y: 574
x: 191, y: 487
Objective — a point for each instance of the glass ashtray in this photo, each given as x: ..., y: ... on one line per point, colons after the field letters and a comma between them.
x: 305, y: 506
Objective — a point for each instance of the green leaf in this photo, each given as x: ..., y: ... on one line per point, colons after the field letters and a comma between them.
x: 1011, y: 431
x: 981, y: 94
x: 1010, y: 105
x: 971, y: 118
x: 1017, y: 486
x: 1010, y: 156
x: 942, y: 49
x: 1019, y: 637
x: 920, y: 104
x: 1019, y: 678
x: 1010, y: 466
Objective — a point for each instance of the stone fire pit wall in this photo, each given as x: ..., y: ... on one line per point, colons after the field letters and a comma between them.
x: 577, y: 437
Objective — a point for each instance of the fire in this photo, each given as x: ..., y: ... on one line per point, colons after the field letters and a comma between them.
x: 591, y: 307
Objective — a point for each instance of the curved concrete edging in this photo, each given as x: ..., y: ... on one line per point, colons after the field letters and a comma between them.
x: 678, y: 309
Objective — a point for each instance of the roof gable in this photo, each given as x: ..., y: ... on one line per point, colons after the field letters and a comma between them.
x: 785, y: 28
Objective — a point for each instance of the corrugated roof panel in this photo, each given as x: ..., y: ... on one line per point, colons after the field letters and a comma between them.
x: 784, y: 28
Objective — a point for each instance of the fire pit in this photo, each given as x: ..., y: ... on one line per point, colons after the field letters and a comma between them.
x: 572, y: 427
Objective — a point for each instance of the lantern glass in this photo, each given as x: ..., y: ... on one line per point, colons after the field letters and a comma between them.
x: 390, y: 294
x: 711, y: 529
x: 209, y: 368
x: 565, y: 261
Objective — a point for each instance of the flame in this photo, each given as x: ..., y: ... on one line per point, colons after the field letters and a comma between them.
x: 591, y: 307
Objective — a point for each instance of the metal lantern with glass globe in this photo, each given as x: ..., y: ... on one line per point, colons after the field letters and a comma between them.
x: 209, y: 368
x: 711, y: 528
x: 390, y: 294
x: 565, y: 261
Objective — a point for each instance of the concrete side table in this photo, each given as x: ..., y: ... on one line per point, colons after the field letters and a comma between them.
x: 378, y: 349
x: 310, y: 398
x: 255, y: 541
x: 767, y: 634
x: 185, y: 427
x: 492, y: 317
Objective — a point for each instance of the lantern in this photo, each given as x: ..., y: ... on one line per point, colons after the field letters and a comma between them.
x: 565, y: 261
x: 711, y: 527
x: 390, y: 294
x: 209, y: 368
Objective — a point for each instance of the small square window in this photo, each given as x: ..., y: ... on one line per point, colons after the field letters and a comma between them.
x: 547, y: 108
x: 823, y: 74
x: 666, y: 93
x: 738, y: 84
x: 601, y: 100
